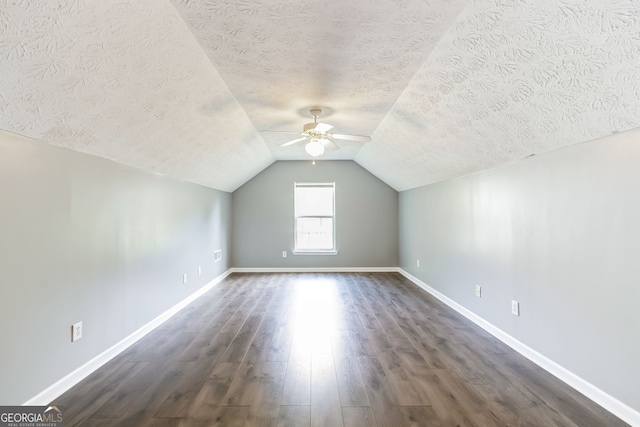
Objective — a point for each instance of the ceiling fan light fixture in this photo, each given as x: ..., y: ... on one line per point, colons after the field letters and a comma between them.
x: 314, y: 148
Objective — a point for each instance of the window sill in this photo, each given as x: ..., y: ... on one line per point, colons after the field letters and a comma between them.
x: 314, y: 252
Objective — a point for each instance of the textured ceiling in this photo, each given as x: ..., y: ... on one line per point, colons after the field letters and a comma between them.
x: 126, y: 81
x: 187, y: 88
x: 512, y: 78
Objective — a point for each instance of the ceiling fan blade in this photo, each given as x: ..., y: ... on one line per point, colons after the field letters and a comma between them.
x: 329, y: 145
x: 322, y: 127
x: 286, y: 144
x: 361, y: 138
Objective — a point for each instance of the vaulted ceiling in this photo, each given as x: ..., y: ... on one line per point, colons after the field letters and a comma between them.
x: 190, y: 88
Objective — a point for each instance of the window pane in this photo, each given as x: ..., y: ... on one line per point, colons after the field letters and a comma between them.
x: 314, y: 212
x: 314, y: 233
x: 314, y: 201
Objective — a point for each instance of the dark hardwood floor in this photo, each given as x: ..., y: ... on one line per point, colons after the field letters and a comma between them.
x: 356, y: 349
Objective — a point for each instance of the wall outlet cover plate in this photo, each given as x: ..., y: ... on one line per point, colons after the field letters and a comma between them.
x: 76, y: 331
x: 515, y: 308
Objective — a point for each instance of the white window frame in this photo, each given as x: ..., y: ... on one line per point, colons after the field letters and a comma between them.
x: 296, y: 251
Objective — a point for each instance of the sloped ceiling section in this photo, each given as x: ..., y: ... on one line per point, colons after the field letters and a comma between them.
x: 189, y: 88
x: 351, y: 58
x: 125, y: 81
x: 512, y: 78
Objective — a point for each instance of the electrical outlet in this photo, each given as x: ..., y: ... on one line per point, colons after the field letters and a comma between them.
x: 217, y: 255
x: 478, y: 291
x: 515, y: 308
x: 284, y: 254
x: 417, y: 263
x: 76, y: 331
x: 199, y: 271
x: 184, y: 278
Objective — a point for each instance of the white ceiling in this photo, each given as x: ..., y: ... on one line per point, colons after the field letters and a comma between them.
x: 187, y: 88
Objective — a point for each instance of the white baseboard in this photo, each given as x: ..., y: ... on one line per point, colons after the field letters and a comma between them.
x: 59, y: 387
x: 316, y: 270
x: 611, y: 404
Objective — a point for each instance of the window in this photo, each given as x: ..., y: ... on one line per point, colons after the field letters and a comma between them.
x: 315, y: 218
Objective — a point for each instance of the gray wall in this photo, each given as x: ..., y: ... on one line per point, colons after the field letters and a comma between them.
x: 85, y: 239
x: 366, y: 217
x: 560, y: 233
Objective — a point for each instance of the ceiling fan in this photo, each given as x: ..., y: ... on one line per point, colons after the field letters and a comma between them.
x: 319, y: 136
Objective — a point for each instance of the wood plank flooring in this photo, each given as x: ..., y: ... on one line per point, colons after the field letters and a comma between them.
x: 348, y: 349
